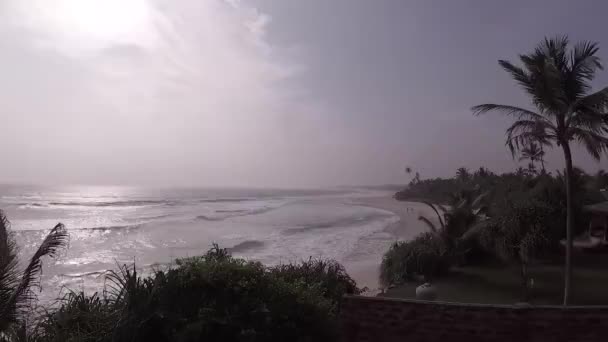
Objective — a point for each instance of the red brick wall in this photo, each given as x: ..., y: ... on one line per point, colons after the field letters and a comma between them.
x: 374, y: 319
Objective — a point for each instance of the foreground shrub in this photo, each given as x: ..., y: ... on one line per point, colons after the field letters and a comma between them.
x: 210, y: 298
x: 424, y: 256
x: 328, y: 276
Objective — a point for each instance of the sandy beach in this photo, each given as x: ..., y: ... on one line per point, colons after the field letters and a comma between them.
x: 366, y: 272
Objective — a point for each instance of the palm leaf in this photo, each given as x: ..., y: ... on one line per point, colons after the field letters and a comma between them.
x: 474, y: 230
x: 54, y: 241
x: 519, y: 113
x: 518, y: 141
x: 541, y: 129
x: 441, y: 222
x: 477, y: 202
x: 442, y: 208
x: 9, y: 278
x: 593, y: 142
x: 584, y: 62
x: 595, y: 101
x: 522, y: 77
x: 430, y: 224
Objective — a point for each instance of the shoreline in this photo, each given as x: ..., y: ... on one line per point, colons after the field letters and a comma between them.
x: 366, y: 272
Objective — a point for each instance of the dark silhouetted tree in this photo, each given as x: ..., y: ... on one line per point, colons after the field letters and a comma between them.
x: 558, y: 81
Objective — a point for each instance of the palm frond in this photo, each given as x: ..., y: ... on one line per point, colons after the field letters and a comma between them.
x: 430, y: 224
x: 596, y: 101
x: 584, y: 61
x: 477, y: 202
x: 583, y: 65
x: 474, y: 230
x: 8, y: 273
x: 522, y: 133
x: 50, y: 246
x: 556, y: 49
x: 519, y: 113
x: 432, y: 206
x: 442, y: 208
x: 522, y: 77
x: 540, y: 129
x: 594, y: 143
x: 544, y: 69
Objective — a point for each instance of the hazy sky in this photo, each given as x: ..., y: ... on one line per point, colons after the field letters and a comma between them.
x: 265, y: 93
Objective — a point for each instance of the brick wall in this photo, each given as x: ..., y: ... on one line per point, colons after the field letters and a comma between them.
x: 375, y: 319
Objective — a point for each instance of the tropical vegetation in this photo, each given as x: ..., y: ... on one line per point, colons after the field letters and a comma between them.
x: 17, y: 286
x: 557, y: 78
x: 535, y: 154
x: 515, y: 218
x: 214, y: 297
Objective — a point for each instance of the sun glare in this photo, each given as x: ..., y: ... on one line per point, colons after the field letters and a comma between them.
x: 107, y: 20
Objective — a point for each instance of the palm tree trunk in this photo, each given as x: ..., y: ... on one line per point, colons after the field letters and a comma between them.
x: 569, y: 221
x: 542, y: 163
x: 542, y: 157
x: 524, y: 282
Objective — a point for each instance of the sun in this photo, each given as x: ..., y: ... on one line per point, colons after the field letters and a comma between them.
x: 89, y: 21
x: 105, y: 19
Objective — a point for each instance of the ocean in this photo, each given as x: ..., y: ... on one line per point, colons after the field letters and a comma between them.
x: 111, y: 226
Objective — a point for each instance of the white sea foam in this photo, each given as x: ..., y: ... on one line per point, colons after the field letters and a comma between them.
x: 153, y: 228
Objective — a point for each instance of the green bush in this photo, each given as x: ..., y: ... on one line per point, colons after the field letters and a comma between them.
x: 328, y: 276
x: 424, y: 256
x: 210, y: 298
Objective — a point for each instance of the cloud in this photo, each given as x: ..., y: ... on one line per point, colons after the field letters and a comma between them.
x: 171, y: 92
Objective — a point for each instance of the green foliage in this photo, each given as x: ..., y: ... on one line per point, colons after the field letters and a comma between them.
x: 520, y: 215
x: 558, y: 78
x: 424, y: 256
x: 214, y: 297
x: 463, y: 174
x: 328, y: 276
x: 442, y: 190
x: 534, y: 153
x: 466, y: 208
x: 519, y: 232
x: 543, y: 188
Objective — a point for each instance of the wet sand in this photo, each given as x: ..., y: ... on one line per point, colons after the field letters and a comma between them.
x: 407, y: 227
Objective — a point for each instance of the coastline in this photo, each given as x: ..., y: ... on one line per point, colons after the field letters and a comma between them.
x: 366, y: 272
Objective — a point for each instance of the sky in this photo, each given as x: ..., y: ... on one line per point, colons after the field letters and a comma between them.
x: 266, y: 93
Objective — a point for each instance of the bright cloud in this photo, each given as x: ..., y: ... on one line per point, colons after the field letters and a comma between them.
x: 150, y: 91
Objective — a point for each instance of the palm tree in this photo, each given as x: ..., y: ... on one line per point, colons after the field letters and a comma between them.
x: 533, y: 153
x: 408, y: 171
x: 482, y: 172
x: 16, y: 287
x: 457, y: 222
x: 463, y: 174
x: 558, y: 81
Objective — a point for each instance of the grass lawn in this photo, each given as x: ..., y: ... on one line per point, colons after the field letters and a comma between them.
x: 502, y: 284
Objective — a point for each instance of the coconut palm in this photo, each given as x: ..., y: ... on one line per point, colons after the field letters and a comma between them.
x: 463, y: 174
x: 534, y: 154
x: 482, y: 172
x: 457, y: 222
x: 16, y: 288
x: 558, y: 80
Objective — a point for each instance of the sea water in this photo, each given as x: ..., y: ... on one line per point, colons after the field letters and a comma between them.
x: 112, y: 226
